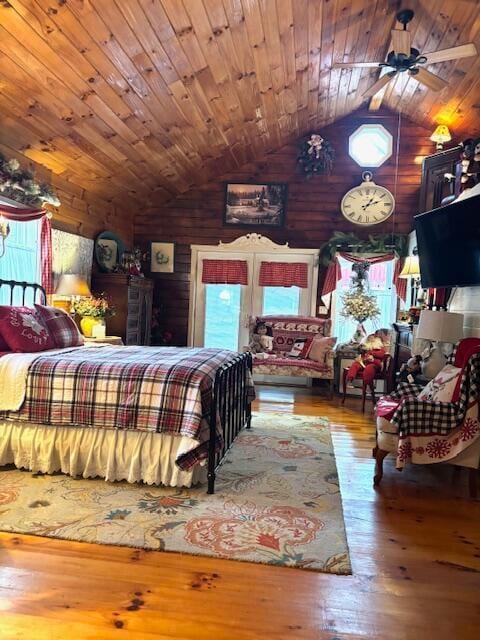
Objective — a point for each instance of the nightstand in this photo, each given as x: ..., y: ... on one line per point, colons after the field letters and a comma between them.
x: 115, y: 340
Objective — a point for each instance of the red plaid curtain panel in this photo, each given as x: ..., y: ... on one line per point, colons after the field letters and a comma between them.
x: 283, y: 274
x: 225, y: 272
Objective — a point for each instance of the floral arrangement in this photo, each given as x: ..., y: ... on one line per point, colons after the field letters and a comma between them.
x: 22, y: 187
x: 316, y: 156
x: 94, y: 307
x: 359, y: 305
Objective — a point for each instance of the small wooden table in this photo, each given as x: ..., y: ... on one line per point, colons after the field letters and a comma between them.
x: 115, y: 340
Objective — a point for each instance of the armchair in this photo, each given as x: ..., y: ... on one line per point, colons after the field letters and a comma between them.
x: 428, y: 432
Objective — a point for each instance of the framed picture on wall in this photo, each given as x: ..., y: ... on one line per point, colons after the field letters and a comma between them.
x: 162, y: 257
x: 255, y: 204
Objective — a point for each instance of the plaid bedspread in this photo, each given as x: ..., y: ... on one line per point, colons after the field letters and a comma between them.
x: 421, y: 417
x: 162, y: 390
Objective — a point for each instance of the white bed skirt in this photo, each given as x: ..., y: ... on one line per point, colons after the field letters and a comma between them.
x: 135, y: 456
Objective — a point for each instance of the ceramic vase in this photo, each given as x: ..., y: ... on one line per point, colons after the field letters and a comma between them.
x: 88, y: 322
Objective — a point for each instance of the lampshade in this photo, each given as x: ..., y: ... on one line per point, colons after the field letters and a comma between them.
x: 441, y: 134
x: 411, y: 268
x: 71, y: 284
x: 440, y: 326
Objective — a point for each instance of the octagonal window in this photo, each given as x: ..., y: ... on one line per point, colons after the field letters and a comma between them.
x: 370, y: 145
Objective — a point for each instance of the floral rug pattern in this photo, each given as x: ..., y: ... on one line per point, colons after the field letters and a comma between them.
x: 277, y: 501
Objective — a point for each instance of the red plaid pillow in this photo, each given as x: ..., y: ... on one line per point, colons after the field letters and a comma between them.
x: 24, y: 330
x: 3, y: 344
x: 62, y: 328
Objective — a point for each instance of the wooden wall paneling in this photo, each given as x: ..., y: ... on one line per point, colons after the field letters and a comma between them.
x: 313, y: 208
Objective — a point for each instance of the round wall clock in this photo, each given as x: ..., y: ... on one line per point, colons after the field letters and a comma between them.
x: 368, y: 203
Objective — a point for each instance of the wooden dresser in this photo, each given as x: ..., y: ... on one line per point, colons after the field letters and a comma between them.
x: 132, y: 298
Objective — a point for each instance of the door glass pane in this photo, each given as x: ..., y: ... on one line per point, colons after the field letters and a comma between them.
x: 222, y: 315
x: 281, y: 300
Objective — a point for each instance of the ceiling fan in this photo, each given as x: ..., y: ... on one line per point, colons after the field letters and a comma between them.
x: 405, y: 58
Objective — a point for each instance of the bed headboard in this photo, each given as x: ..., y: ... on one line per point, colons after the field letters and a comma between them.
x: 37, y: 290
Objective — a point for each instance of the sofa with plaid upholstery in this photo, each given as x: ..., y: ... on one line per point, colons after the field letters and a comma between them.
x: 285, y: 330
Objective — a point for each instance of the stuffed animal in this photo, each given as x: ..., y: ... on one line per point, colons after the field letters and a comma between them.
x: 410, y: 369
x: 262, y: 339
x: 370, y: 359
x: 470, y: 157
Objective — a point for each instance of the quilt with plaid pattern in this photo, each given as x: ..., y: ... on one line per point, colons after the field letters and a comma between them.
x: 157, y: 389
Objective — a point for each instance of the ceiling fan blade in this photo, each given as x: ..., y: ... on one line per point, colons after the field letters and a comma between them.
x: 355, y: 65
x: 453, y: 53
x: 430, y: 80
x: 401, y: 41
x: 379, y: 84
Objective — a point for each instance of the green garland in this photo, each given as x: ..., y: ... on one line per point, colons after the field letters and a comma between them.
x: 20, y: 186
x: 380, y: 243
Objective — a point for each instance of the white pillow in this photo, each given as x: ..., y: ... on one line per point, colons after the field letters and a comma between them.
x: 441, y: 388
x: 320, y: 347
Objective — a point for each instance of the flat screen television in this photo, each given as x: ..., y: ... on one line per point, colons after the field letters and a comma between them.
x: 448, y: 243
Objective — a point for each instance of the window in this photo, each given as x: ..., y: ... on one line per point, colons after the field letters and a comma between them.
x: 380, y: 285
x: 281, y: 301
x: 222, y: 315
x: 370, y: 145
x: 21, y: 261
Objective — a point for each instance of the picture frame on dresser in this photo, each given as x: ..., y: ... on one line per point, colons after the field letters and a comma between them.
x: 162, y: 257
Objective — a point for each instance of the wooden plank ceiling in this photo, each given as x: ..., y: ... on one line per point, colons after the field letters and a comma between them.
x: 136, y: 100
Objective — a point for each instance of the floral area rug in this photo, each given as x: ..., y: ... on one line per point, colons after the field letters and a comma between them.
x: 277, y: 501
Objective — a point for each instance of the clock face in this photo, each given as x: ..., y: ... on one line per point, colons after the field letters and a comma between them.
x: 367, y: 204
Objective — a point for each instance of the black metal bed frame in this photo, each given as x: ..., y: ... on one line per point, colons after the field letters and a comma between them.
x: 231, y: 407
x: 13, y: 284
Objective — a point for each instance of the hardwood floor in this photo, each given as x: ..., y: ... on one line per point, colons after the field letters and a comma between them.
x: 415, y: 551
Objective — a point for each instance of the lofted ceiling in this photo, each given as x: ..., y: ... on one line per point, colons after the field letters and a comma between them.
x: 132, y: 99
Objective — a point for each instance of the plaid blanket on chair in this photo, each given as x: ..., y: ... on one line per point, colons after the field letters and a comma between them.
x: 421, y: 417
x: 162, y: 390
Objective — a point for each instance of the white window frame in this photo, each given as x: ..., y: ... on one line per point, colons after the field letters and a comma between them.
x: 253, y: 248
x: 364, y: 128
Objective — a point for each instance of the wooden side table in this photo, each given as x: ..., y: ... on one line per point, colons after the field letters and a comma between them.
x: 115, y: 340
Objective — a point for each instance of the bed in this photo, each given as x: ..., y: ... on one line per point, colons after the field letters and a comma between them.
x: 159, y: 415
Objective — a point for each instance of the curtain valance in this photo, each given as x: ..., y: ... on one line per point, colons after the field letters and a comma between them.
x: 283, y: 274
x: 334, y: 272
x: 225, y: 272
x: 21, y: 214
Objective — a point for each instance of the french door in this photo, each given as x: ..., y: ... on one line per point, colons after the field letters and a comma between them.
x: 220, y: 313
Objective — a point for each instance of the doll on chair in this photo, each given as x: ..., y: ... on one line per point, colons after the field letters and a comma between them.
x: 370, y: 360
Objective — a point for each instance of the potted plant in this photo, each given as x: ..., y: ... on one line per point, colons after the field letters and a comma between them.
x: 92, y: 311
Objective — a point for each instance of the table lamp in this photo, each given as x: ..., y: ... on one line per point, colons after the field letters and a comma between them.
x: 73, y: 286
x: 411, y: 269
x: 442, y: 327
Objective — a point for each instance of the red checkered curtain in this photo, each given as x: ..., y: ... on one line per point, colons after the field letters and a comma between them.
x: 283, y: 274
x: 225, y: 272
x: 46, y: 254
x: 400, y: 283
